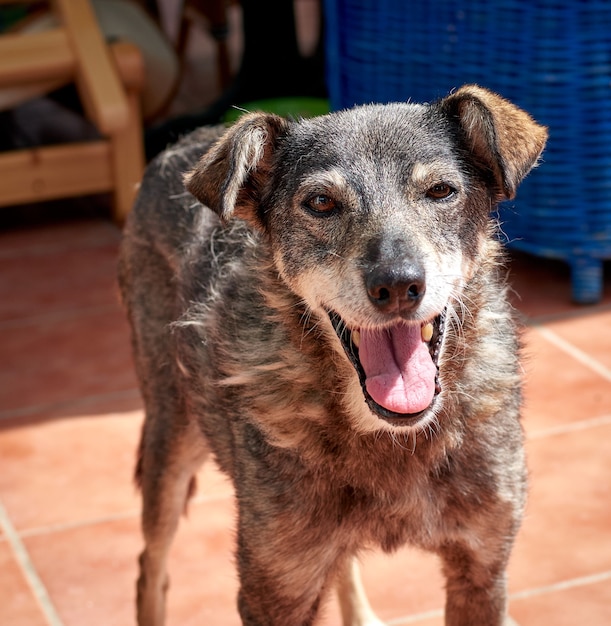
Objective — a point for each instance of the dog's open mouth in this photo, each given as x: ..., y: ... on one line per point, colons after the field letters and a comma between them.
x: 397, y: 366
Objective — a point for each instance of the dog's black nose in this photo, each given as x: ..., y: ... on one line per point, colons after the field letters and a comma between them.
x: 396, y: 288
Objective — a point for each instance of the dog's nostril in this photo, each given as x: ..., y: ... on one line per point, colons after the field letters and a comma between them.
x: 415, y: 291
x: 382, y: 295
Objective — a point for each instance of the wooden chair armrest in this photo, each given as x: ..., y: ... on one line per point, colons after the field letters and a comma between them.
x: 130, y: 65
x: 30, y: 57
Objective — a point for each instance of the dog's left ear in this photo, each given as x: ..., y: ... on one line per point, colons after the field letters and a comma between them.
x: 503, y: 138
x: 229, y: 177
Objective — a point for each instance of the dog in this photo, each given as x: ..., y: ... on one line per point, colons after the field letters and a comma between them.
x: 321, y: 306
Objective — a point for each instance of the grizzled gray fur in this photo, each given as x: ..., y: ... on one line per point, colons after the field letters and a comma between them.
x: 323, y: 310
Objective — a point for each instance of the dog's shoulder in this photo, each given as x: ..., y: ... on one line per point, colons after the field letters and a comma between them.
x: 165, y: 215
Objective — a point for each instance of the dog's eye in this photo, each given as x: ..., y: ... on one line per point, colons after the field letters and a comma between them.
x: 321, y: 204
x: 440, y: 191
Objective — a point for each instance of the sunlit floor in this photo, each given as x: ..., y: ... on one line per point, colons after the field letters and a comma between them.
x: 70, y: 416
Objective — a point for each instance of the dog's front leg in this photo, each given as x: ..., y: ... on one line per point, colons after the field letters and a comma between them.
x: 476, y: 589
x: 286, y: 590
x: 355, y: 607
x: 286, y: 565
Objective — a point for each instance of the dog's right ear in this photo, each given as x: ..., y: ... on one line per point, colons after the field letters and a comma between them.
x: 229, y: 178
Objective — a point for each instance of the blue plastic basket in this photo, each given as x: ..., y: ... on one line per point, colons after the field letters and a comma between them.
x: 552, y: 58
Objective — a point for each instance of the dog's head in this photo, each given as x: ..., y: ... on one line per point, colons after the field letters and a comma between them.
x: 376, y: 218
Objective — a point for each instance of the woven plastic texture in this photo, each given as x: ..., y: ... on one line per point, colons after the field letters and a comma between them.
x: 552, y: 58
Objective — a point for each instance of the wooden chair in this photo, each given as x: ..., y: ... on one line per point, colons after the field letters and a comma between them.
x: 108, y: 78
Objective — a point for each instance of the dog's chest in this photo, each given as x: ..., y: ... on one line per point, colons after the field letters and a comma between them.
x: 382, y: 515
x: 379, y: 495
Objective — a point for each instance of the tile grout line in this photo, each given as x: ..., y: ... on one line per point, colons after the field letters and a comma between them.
x: 117, y: 517
x: 48, y: 249
x: 564, y: 429
x: 50, y: 529
x: 575, y: 352
x: 28, y: 569
x: 572, y: 583
x: 61, y: 315
x: 83, y: 401
x: 564, y: 585
x: 547, y: 318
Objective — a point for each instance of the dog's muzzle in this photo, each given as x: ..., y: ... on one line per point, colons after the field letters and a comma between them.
x: 397, y: 366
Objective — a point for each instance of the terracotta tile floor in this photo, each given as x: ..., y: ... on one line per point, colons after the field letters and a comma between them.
x: 69, y: 421
x: 70, y: 416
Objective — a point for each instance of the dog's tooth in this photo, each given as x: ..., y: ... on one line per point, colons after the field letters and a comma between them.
x: 356, y: 338
x: 426, y: 332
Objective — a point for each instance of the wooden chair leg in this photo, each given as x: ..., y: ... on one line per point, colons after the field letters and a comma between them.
x: 127, y: 161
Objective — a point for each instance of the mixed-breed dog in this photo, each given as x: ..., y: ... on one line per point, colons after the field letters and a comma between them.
x: 320, y: 305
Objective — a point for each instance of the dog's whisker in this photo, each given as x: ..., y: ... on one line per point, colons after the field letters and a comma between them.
x: 414, y: 436
x: 464, y: 394
x: 396, y: 437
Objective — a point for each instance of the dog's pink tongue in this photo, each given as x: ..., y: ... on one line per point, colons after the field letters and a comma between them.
x: 399, y: 369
